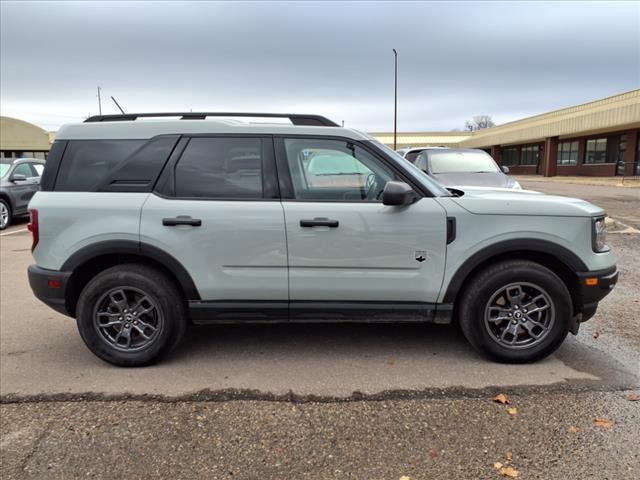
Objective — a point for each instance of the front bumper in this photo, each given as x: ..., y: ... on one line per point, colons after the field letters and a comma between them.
x: 593, y: 287
x: 50, y: 287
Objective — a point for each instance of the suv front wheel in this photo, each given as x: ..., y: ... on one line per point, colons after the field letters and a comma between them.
x: 130, y: 315
x: 516, y: 311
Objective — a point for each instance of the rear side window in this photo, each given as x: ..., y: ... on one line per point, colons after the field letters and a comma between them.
x: 220, y: 168
x: 88, y: 162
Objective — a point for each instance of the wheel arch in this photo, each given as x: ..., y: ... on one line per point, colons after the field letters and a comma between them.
x: 556, y: 258
x: 9, y: 199
x: 92, y: 259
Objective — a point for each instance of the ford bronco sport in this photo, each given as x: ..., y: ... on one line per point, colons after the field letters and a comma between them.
x: 143, y: 226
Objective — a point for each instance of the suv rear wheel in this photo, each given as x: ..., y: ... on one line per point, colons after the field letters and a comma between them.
x: 516, y: 311
x: 130, y: 315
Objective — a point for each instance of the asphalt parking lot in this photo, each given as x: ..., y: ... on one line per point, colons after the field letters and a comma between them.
x: 321, y: 401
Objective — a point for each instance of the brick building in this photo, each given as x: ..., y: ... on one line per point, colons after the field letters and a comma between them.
x: 599, y: 138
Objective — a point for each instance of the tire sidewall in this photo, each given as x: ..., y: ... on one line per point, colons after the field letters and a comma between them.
x: 151, y: 283
x: 473, y: 312
x: 9, y: 216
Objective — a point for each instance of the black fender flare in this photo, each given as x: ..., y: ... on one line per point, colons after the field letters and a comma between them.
x: 130, y: 247
x: 562, y: 254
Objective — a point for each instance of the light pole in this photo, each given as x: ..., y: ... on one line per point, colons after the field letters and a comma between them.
x: 395, y: 101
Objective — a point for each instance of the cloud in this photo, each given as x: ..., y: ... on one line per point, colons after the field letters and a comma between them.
x: 455, y: 59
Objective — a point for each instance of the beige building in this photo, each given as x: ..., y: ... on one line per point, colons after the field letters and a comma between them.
x: 598, y: 138
x: 20, y: 139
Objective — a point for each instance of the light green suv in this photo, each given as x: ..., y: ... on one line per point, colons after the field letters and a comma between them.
x: 143, y: 227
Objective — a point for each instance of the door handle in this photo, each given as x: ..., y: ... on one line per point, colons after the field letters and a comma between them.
x: 320, y: 222
x: 181, y: 220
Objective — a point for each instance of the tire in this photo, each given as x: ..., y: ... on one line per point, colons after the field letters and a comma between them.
x: 142, y: 315
x: 508, y: 288
x: 5, y: 214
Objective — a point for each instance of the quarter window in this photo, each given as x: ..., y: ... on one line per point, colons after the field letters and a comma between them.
x: 88, y: 162
x: 335, y: 170
x: 596, y: 151
x: 220, y: 168
x: 568, y: 153
x: 39, y: 168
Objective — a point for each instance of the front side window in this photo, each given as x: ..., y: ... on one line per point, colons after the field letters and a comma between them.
x: 596, y: 151
x: 568, y: 153
x: 219, y: 167
x: 23, y: 169
x: 335, y: 170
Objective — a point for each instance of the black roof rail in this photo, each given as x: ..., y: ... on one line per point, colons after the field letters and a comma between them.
x: 295, y: 118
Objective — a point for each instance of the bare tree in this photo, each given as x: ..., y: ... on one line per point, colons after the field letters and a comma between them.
x: 478, y: 122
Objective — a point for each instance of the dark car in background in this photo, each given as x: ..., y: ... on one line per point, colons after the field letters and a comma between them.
x: 19, y: 181
x: 464, y: 167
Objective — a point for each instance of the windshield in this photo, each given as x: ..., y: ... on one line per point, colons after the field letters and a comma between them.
x: 433, y: 185
x: 448, y: 161
x: 5, y: 165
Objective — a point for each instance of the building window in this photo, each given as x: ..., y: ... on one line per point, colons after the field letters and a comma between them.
x: 530, y: 155
x: 568, y: 153
x: 596, y: 151
x: 510, y: 156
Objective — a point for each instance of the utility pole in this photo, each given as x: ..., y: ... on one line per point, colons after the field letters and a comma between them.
x: 99, y: 102
x: 395, y: 101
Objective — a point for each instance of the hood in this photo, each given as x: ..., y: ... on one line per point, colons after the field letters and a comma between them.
x: 485, y: 179
x: 524, y: 202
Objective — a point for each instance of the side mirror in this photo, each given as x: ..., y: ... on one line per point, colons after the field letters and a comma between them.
x: 504, y: 169
x: 17, y: 177
x: 397, y: 193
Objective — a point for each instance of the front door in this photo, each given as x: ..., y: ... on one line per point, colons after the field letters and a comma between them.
x: 344, y: 245
x: 219, y: 216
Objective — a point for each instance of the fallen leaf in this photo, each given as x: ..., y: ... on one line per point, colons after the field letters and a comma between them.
x: 433, y: 453
x: 404, y: 477
x: 497, y: 465
x: 509, y: 456
x: 509, y: 472
x: 573, y: 429
x: 390, y: 362
x: 502, y: 398
x: 596, y: 334
x: 632, y: 397
x: 603, y: 422
x: 512, y: 411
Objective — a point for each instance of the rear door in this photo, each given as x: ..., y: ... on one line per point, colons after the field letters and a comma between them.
x: 344, y: 244
x: 216, y: 210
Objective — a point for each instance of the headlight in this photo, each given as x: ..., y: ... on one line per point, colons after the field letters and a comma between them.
x: 599, y: 235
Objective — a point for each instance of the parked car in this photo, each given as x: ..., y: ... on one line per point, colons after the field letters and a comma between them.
x: 141, y: 228
x: 19, y: 180
x: 464, y: 167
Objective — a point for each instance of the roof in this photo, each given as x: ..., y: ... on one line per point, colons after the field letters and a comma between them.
x: 20, y: 135
x: 608, y: 114
x: 142, y: 129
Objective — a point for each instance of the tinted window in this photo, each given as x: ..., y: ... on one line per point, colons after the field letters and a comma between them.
x: 87, y: 162
x: 220, y: 168
x: 335, y: 170
x: 411, y: 156
x: 23, y: 169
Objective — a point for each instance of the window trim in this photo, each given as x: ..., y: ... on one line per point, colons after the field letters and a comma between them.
x: 284, y: 174
x: 165, y: 186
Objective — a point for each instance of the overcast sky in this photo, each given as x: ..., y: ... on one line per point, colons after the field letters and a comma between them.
x: 456, y: 60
